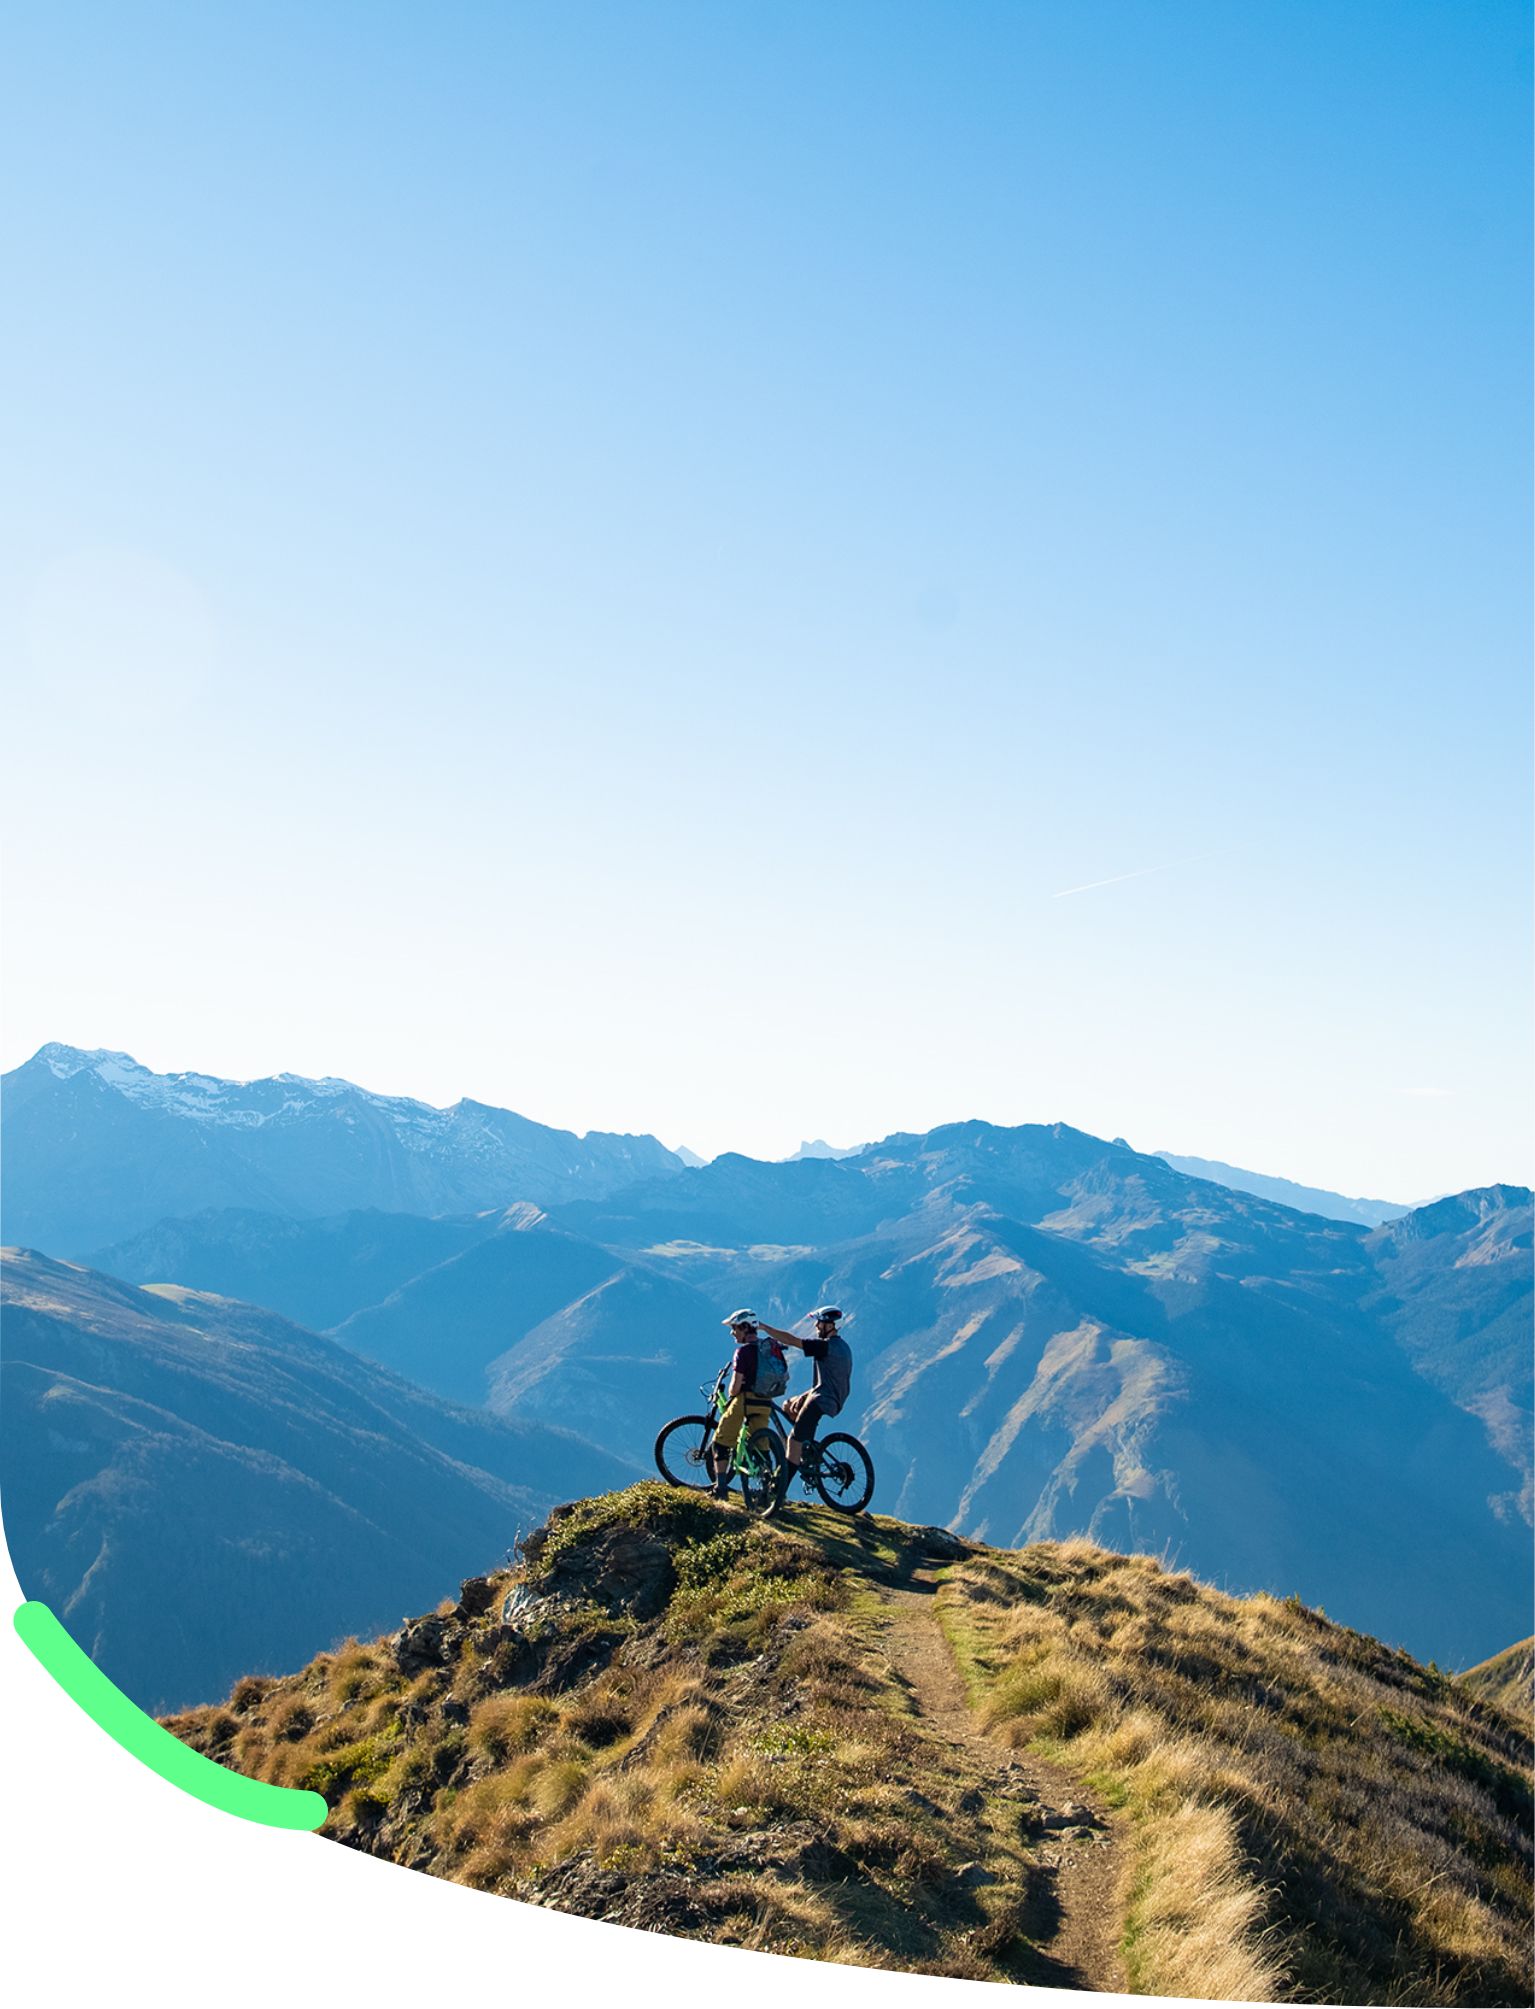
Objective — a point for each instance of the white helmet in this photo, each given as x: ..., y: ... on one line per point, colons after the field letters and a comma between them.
x: 740, y: 1318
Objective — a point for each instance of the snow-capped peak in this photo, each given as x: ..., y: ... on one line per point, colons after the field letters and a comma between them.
x: 67, y: 1061
x: 205, y: 1097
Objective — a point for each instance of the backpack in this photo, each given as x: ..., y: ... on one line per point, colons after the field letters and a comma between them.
x: 772, y: 1376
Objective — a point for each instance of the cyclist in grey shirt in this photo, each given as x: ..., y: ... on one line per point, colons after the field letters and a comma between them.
x: 833, y: 1361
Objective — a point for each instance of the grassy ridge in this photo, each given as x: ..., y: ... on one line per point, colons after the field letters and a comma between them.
x: 1315, y: 1815
x: 692, y: 1723
x: 690, y: 1727
x: 1508, y: 1679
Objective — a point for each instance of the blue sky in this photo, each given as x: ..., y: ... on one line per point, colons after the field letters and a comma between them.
x: 626, y: 560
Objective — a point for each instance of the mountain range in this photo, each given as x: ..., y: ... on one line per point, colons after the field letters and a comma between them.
x: 1053, y: 1335
x: 98, y: 1148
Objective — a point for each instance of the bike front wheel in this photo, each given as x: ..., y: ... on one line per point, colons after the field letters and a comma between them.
x: 844, y: 1473
x: 682, y: 1452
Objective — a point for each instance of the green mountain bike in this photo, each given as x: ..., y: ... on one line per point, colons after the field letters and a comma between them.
x: 684, y: 1445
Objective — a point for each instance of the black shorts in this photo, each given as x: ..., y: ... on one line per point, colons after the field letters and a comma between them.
x: 815, y: 1411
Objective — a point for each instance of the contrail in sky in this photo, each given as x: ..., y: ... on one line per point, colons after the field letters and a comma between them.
x: 1118, y: 880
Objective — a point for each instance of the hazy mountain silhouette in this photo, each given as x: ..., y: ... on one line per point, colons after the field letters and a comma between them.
x: 817, y: 1147
x: 1309, y: 1199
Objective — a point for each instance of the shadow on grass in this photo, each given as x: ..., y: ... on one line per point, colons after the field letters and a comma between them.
x: 868, y: 1543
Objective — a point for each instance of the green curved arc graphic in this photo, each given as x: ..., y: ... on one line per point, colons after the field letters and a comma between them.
x: 106, y: 1705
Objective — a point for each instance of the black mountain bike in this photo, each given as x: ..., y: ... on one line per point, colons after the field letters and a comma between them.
x: 838, y: 1467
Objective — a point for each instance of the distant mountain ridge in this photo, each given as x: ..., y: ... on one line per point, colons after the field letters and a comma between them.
x: 1052, y: 1334
x: 98, y: 1148
x: 1306, y: 1199
x: 1455, y: 1293
x: 317, y: 1272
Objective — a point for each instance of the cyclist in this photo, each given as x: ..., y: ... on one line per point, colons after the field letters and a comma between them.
x: 833, y: 1378
x: 743, y: 1405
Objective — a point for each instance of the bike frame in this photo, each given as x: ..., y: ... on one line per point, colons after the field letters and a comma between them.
x: 719, y: 1402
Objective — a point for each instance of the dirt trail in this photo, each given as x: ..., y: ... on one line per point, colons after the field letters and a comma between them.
x: 1074, y: 1923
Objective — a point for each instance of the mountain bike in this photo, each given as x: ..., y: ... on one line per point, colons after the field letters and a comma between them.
x: 683, y: 1447
x: 837, y: 1467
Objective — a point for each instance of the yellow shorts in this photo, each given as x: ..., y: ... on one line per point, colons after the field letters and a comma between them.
x: 753, y: 1410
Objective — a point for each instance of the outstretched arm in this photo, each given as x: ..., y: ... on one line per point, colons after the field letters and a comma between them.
x: 783, y: 1338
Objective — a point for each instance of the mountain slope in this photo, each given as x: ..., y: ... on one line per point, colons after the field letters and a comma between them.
x: 446, y: 1326
x: 1260, y: 1434
x: 869, y: 1742
x: 741, y: 1203
x: 1045, y: 1175
x: 1508, y: 1679
x: 615, y: 1364
x: 316, y: 1272
x: 538, y: 1323
x: 1455, y: 1293
x: 199, y: 1488
x: 97, y: 1149
x: 1306, y: 1199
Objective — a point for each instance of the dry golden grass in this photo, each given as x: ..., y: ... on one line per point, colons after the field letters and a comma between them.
x: 1507, y: 1679
x: 1315, y: 1815
x: 738, y: 1768
x: 1197, y: 1914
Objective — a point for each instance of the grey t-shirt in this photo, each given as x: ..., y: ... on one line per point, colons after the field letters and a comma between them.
x: 833, y: 1370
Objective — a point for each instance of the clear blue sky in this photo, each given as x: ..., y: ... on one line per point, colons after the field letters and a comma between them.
x: 626, y: 560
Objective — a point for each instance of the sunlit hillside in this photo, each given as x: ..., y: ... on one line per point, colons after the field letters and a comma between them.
x: 867, y: 1742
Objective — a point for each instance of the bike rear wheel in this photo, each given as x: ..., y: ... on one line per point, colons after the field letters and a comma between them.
x: 759, y: 1471
x: 682, y: 1452
x: 844, y: 1473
